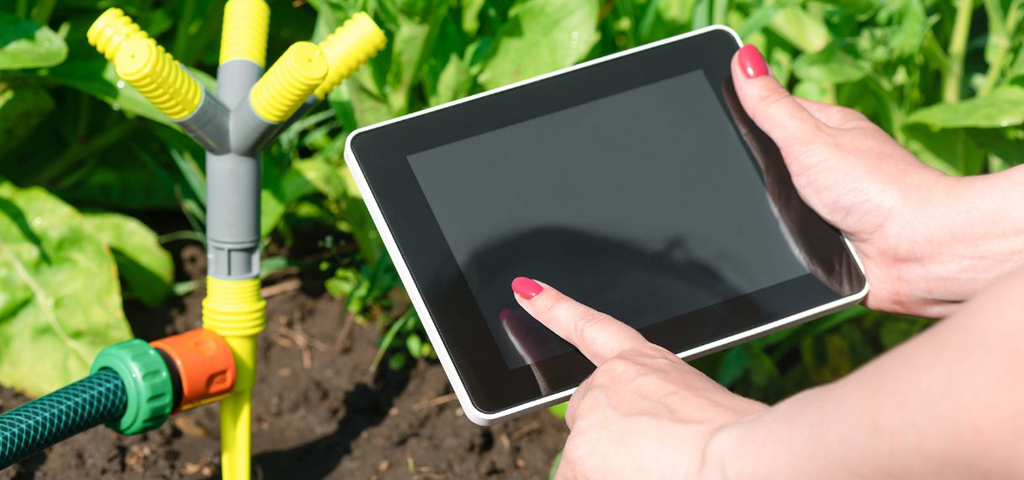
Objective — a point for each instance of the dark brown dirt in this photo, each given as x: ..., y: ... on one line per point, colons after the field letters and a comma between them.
x: 319, y: 413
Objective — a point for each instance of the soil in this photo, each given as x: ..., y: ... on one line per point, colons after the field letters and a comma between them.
x: 318, y: 410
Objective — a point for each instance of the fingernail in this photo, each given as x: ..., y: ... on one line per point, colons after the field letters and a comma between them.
x: 526, y: 288
x: 751, y: 62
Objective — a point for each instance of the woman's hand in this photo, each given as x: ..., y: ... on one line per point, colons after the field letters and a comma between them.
x: 945, y: 404
x: 644, y: 413
x: 928, y: 241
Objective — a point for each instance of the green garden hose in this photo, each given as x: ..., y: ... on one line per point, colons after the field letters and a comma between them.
x: 34, y: 426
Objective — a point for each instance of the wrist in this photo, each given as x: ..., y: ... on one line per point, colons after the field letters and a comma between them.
x: 956, y: 237
x: 727, y: 450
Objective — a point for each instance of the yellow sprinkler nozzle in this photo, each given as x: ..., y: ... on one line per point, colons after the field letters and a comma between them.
x: 289, y: 82
x: 234, y: 310
x: 158, y: 77
x: 111, y: 29
x: 244, y: 36
x: 352, y: 44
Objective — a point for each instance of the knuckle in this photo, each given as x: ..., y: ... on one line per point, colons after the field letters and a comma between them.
x: 583, y: 325
x: 616, y: 367
x: 547, y: 308
x: 772, y: 98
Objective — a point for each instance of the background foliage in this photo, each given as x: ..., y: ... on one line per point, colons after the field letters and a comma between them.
x: 945, y: 78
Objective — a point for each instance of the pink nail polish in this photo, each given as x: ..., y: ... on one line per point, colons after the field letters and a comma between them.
x: 751, y: 62
x: 526, y: 288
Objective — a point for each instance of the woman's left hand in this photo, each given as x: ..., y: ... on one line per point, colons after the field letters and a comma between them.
x: 644, y: 413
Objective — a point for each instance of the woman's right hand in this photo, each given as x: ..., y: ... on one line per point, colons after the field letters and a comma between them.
x: 899, y: 214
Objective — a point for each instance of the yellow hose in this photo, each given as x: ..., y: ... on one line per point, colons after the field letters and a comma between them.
x: 288, y: 83
x: 351, y: 45
x: 158, y: 77
x: 234, y: 310
x: 244, y: 36
x: 111, y: 29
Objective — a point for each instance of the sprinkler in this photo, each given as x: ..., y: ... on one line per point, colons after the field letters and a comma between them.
x: 135, y: 386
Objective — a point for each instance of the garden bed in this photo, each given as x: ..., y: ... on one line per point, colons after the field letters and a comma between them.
x: 318, y: 410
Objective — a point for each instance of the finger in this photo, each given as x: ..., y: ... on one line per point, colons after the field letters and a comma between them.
x: 831, y: 115
x: 598, y: 336
x: 769, y: 105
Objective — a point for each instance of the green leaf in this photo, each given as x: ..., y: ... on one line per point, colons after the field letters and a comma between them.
x: 827, y: 358
x: 1005, y: 146
x: 830, y: 65
x: 414, y: 344
x: 303, y: 177
x: 816, y: 91
x: 559, y: 410
x: 22, y: 109
x: 98, y: 78
x: 397, y: 361
x: 453, y: 83
x: 61, y: 302
x: 471, y: 15
x: 758, y: 19
x: 554, y: 466
x: 950, y: 151
x: 147, y: 269
x: 190, y: 171
x: 368, y: 107
x: 763, y: 371
x: 801, y: 29
x: 733, y: 366
x: 26, y: 44
x: 539, y: 37
x: 1003, y: 107
x: 897, y: 330
x: 407, y: 54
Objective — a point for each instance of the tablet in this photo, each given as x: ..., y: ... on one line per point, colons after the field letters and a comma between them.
x: 634, y: 183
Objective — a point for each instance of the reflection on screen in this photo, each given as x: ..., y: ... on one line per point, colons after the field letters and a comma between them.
x: 643, y: 205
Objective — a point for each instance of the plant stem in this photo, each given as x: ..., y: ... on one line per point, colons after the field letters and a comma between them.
x: 957, y: 51
x: 181, y: 34
x: 42, y: 11
x: 996, y: 68
x: 21, y: 9
x: 73, y: 155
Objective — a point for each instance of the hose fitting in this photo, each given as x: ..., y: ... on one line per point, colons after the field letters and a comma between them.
x: 289, y: 82
x: 147, y: 381
x: 351, y: 45
x: 111, y: 29
x: 244, y: 36
x: 204, y: 365
x: 159, y: 77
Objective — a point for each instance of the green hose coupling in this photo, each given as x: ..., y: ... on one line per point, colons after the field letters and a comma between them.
x: 146, y: 378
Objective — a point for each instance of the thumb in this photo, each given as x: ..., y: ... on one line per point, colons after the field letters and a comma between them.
x: 768, y: 104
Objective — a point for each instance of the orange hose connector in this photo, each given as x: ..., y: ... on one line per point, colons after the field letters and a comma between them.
x: 205, y: 365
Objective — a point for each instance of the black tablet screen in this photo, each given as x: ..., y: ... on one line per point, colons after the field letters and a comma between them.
x: 642, y: 204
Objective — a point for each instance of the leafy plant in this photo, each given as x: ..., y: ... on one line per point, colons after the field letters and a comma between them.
x: 60, y: 301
